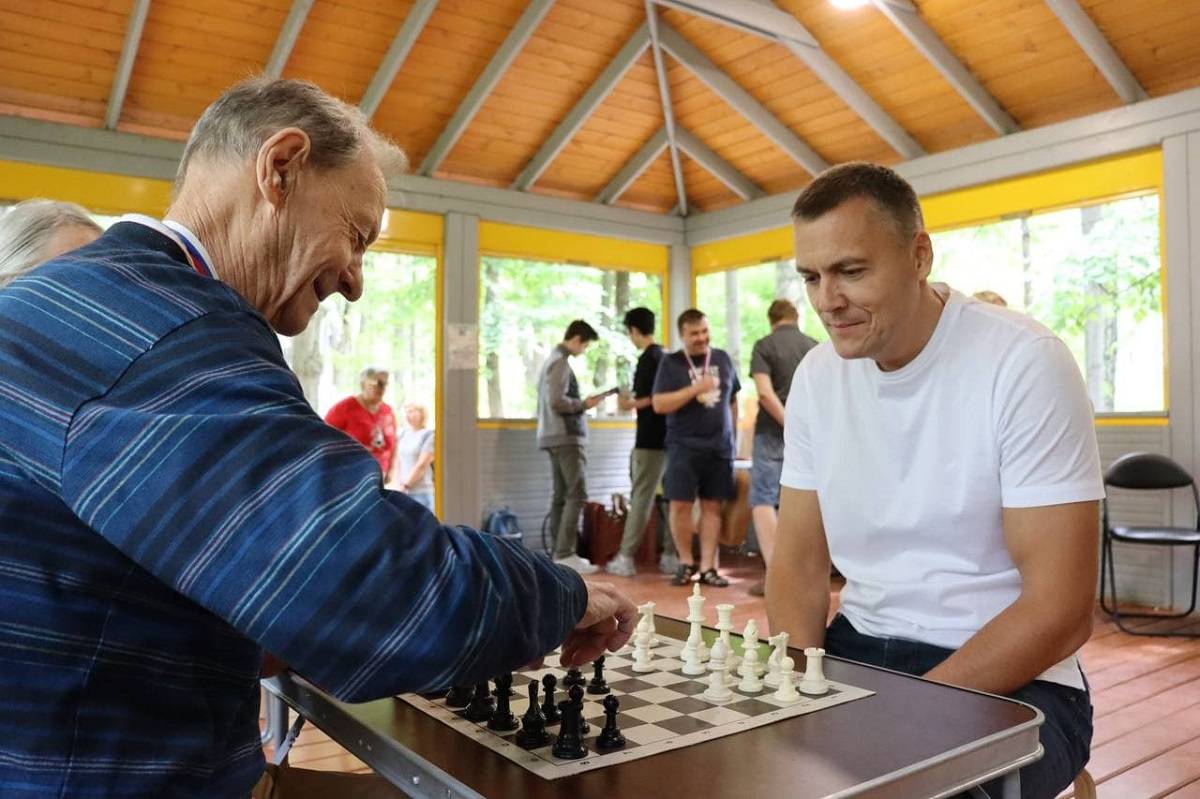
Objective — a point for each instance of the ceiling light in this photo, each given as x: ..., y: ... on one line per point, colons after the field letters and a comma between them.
x: 848, y: 5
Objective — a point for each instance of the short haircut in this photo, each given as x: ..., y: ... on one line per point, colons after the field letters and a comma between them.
x: 26, y: 229
x: 891, y: 193
x: 250, y: 112
x: 370, y: 372
x: 582, y: 329
x: 780, y: 310
x: 691, y: 316
x: 641, y: 320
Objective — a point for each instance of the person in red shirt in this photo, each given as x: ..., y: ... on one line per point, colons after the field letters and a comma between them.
x: 367, y: 419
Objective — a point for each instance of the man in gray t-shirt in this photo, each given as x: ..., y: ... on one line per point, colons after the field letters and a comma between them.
x: 772, y: 364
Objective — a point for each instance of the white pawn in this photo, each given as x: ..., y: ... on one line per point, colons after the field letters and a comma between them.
x: 641, y: 648
x: 814, y: 682
x: 718, y: 690
x: 780, y: 642
x: 750, y: 683
x: 692, y: 665
x: 786, y: 692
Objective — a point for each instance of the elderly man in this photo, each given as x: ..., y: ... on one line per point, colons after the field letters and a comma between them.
x: 171, y: 507
x: 941, y: 451
x: 34, y: 231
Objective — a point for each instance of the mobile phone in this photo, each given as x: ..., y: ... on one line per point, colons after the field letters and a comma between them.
x: 610, y: 392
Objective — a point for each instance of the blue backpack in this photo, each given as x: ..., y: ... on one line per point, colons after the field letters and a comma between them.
x: 504, y: 523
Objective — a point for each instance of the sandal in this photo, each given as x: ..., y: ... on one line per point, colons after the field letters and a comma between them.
x: 711, y: 577
x: 684, y: 573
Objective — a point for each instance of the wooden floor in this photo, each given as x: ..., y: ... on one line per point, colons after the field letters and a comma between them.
x: 1146, y: 693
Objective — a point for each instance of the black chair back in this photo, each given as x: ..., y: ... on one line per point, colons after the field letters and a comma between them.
x: 1146, y: 470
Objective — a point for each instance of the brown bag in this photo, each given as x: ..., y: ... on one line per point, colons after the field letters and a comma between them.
x: 604, y: 527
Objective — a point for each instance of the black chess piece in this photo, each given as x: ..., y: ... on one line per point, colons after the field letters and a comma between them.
x: 574, y: 677
x: 610, y: 737
x: 533, y: 724
x: 502, y: 719
x: 575, y: 694
x: 549, y: 707
x: 598, y: 685
x: 459, y: 696
x: 481, y: 707
x: 569, y: 744
x: 496, y: 690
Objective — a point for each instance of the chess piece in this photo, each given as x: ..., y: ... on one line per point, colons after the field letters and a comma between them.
x: 533, y: 724
x: 780, y: 642
x: 610, y: 737
x: 459, y: 696
x: 786, y: 692
x: 549, y: 708
x: 718, y: 689
x: 575, y: 694
x: 496, y: 690
x: 569, y: 744
x: 725, y: 626
x: 696, y: 618
x: 641, y: 648
x: 647, y: 611
x: 814, y: 682
x: 574, y: 677
x: 750, y: 683
x: 598, y: 684
x: 692, y: 665
x: 481, y: 707
x: 502, y: 719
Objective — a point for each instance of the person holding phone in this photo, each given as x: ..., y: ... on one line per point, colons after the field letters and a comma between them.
x: 562, y: 432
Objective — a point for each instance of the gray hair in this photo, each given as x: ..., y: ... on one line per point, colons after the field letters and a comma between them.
x: 371, y: 371
x: 250, y: 112
x: 27, y: 228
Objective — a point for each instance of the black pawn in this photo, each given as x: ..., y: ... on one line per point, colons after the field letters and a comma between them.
x: 549, y: 708
x: 610, y: 737
x: 575, y: 694
x: 511, y: 692
x: 481, y: 708
x: 598, y: 685
x: 533, y: 723
x: 569, y: 744
x: 459, y: 696
x: 574, y: 677
x: 503, y: 719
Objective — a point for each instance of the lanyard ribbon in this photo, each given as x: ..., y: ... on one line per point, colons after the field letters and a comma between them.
x: 704, y: 369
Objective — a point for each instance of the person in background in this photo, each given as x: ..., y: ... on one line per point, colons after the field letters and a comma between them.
x: 367, y: 419
x: 34, y: 231
x: 414, y: 456
x: 773, y: 361
x: 648, y: 458
x: 696, y: 389
x: 562, y: 432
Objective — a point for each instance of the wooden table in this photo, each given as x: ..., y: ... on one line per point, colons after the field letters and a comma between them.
x: 913, y: 738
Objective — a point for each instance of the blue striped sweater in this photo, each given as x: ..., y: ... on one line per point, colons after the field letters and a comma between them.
x: 170, y: 506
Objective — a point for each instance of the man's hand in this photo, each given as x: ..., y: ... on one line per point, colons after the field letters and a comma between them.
x: 705, y: 384
x: 606, y: 624
x: 626, y: 402
x: 593, y: 401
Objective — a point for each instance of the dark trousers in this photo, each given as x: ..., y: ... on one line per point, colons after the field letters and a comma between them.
x: 1066, y: 735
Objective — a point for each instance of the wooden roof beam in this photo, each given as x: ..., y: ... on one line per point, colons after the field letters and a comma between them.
x: 526, y: 25
x: 633, y: 168
x: 664, y: 96
x: 401, y: 46
x: 721, y: 169
x: 728, y: 90
x: 779, y: 26
x: 133, y: 38
x: 1092, y: 40
x: 573, y: 121
x: 904, y: 16
x: 288, y: 35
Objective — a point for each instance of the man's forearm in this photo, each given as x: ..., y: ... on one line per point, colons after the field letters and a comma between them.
x: 671, y: 401
x: 797, y: 604
x: 772, y: 405
x: 1016, y: 646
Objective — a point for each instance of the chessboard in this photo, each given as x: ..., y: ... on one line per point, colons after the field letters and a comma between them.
x: 659, y: 711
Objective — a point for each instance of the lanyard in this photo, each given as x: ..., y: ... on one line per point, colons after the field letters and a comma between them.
x: 195, y: 257
x: 692, y: 370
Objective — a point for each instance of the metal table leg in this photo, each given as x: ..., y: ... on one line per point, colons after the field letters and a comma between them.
x: 1011, y: 787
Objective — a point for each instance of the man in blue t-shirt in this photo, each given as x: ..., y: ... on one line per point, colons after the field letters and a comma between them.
x: 696, y: 389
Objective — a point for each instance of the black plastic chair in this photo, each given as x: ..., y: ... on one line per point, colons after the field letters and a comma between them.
x: 1144, y: 471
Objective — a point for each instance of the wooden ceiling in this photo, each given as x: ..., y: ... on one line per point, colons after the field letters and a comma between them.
x: 60, y: 60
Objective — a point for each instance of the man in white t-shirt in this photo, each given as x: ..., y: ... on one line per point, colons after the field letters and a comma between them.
x: 940, y: 451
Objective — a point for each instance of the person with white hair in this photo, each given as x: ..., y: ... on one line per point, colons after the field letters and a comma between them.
x: 34, y: 231
x: 171, y: 507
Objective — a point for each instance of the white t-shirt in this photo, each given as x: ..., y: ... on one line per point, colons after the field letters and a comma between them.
x: 913, y: 467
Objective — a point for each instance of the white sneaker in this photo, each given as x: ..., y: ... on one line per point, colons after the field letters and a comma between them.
x: 622, y: 566
x: 667, y: 564
x: 581, y: 565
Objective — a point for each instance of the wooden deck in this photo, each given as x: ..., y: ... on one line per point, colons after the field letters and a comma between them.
x: 1146, y: 693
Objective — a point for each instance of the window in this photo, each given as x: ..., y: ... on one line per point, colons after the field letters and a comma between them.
x: 1092, y: 274
x: 525, y: 307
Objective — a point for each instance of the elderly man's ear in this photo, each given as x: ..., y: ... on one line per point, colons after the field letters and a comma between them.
x: 279, y: 162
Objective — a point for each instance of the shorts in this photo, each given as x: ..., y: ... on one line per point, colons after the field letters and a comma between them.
x: 693, y: 473
x: 765, y: 471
